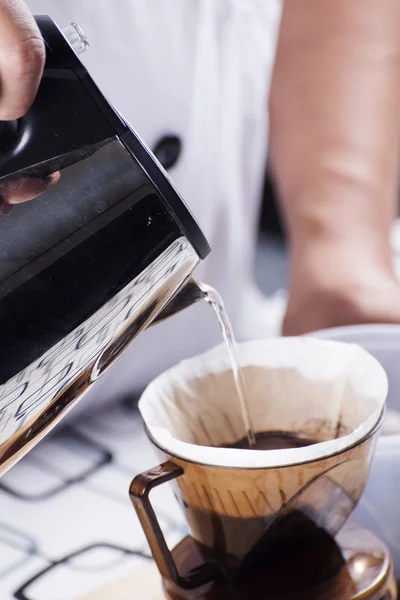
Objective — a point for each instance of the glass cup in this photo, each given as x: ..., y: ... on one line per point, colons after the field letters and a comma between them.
x: 244, y: 507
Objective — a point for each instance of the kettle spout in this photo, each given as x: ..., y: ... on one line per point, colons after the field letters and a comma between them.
x: 188, y: 294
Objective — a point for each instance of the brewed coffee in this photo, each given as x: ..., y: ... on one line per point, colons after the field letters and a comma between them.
x: 274, y: 440
x: 288, y: 537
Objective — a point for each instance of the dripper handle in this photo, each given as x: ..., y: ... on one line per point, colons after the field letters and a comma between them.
x: 139, y: 492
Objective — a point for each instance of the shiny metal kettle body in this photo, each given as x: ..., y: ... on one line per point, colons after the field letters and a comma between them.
x: 106, y: 250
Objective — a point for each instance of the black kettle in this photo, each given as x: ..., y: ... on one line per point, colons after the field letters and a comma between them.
x: 95, y: 245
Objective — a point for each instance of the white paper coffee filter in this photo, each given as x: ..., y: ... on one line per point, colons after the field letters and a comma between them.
x: 332, y: 391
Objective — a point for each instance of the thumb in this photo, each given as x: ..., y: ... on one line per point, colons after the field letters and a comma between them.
x: 22, y: 57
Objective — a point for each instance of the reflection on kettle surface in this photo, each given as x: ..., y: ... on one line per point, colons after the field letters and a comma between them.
x: 36, y: 398
x: 19, y: 190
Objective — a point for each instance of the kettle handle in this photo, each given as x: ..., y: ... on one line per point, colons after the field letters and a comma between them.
x: 139, y: 492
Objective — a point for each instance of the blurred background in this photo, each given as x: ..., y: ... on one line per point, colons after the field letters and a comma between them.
x: 271, y: 261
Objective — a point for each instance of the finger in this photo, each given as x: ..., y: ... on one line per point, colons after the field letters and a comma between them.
x: 22, y: 190
x: 5, y: 209
x: 22, y: 57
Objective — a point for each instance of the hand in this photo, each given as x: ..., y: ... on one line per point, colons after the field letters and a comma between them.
x: 22, y: 57
x: 332, y: 287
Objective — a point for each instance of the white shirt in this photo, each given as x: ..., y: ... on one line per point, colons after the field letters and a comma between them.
x: 200, y: 70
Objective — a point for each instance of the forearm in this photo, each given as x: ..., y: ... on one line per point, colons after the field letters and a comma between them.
x: 334, y: 122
